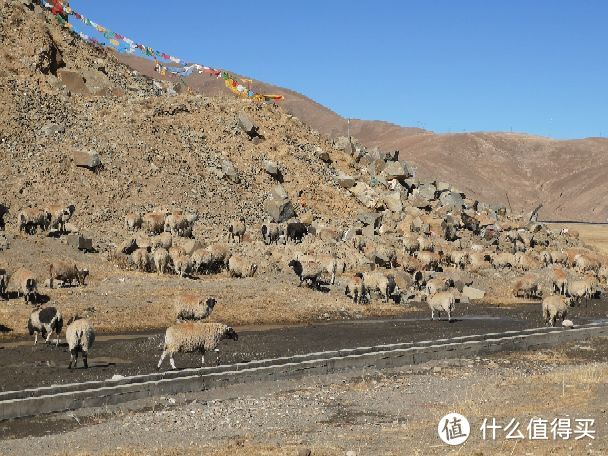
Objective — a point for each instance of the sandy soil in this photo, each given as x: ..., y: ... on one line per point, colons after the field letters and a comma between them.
x: 390, y: 412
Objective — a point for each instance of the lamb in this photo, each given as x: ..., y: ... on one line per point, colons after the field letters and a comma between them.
x: 80, y: 336
x: 57, y: 216
x: 26, y: 284
x: 133, y: 221
x: 32, y: 218
x: 308, y: 271
x: 161, y: 260
x: 271, y: 233
x: 296, y: 232
x: 46, y: 321
x: 67, y: 272
x: 3, y: 284
x: 378, y: 283
x: 355, y: 288
x: 331, y: 266
x: 191, y: 337
x: 154, y: 222
x: 237, y: 230
x: 555, y: 307
x: 240, y: 266
x: 141, y: 259
x: 193, y: 307
x: 442, y: 302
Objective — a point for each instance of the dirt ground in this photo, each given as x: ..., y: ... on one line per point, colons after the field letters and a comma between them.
x: 389, y: 412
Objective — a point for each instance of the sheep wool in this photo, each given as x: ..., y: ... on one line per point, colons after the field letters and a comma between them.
x: 80, y: 336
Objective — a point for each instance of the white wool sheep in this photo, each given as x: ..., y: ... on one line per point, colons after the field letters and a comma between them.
x: 376, y: 282
x: 580, y: 289
x: 46, y: 321
x: 32, y: 218
x: 26, y: 284
x: 141, y: 259
x: 554, y: 307
x: 237, y: 230
x: 80, y: 336
x: 442, y: 302
x: 182, y: 265
x: 193, y: 307
x: 57, y: 216
x: 161, y: 260
x: 436, y: 285
x: 133, y: 221
x: 191, y: 337
x: 241, y: 266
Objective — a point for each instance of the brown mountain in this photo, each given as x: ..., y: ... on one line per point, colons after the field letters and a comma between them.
x: 570, y: 178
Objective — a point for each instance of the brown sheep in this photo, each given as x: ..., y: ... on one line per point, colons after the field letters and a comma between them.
x: 67, y: 272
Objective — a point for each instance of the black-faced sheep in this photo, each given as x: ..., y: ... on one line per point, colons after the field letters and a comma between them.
x: 309, y: 272
x: 271, y: 233
x: 24, y: 281
x: 66, y: 272
x: 46, y: 321
x: 296, y: 231
x: 3, y: 284
x: 80, y: 336
x: 193, y: 307
x: 555, y: 307
x: 192, y: 337
x: 442, y: 302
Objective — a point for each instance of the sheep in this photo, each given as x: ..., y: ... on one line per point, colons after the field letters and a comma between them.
x: 161, y: 260
x: 376, y: 282
x: 154, y: 222
x: 57, y: 216
x: 426, y: 244
x: 555, y: 307
x: 459, y: 259
x: 179, y: 223
x: 558, y: 257
x: 329, y: 234
x: 527, y: 286
x: 67, y: 272
x: 191, y: 337
x: 436, y: 285
x: 355, y: 288
x: 271, y: 233
x: 330, y: 264
x: 201, y: 259
x: 559, y: 280
x: 26, y: 284
x: 579, y: 290
x: 237, y: 230
x: 429, y: 260
x: 296, y: 231
x: 442, y: 302
x: 46, y: 321
x: 526, y: 262
x: 193, y: 307
x: 503, y: 260
x: 30, y: 218
x: 141, y: 259
x: 80, y: 336
x: 217, y: 258
x: 586, y: 263
x: 4, y: 284
x: 307, y: 271
x: 410, y: 243
x: 133, y: 221
x: 164, y: 240
x: 546, y: 258
x: 182, y: 265
x: 240, y: 266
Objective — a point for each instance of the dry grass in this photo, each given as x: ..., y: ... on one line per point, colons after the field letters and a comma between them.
x: 595, y: 235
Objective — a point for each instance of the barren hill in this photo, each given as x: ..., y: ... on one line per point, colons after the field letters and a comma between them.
x: 567, y: 177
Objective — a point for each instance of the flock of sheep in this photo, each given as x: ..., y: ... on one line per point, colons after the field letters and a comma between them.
x: 419, y: 256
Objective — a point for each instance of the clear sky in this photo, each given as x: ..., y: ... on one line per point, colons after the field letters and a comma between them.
x: 536, y: 66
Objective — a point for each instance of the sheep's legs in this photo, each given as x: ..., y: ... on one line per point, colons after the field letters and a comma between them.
x: 432, y: 314
x: 35, y: 337
x: 73, y: 358
x: 162, y: 357
x: 84, y: 360
x: 172, y: 362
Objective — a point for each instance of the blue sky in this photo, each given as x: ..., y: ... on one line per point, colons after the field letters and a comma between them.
x: 529, y: 66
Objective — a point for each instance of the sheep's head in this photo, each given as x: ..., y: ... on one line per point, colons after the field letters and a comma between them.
x: 296, y: 266
x: 231, y: 334
x: 211, y: 302
x: 254, y: 268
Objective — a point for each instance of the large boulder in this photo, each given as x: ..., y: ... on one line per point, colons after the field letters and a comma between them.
x: 427, y: 191
x: 345, y: 181
x: 364, y: 193
x: 395, y: 170
x: 273, y: 169
x: 392, y: 201
x: 342, y: 142
x: 452, y: 200
x: 84, y: 159
x: 278, y: 205
x: 322, y: 155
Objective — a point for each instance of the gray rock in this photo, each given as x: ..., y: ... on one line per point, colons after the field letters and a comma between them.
x: 272, y: 169
x: 473, y: 293
x: 427, y: 191
x: 304, y: 452
x: 395, y: 170
x: 247, y: 125
x: 452, y: 200
x: 52, y: 129
x: 278, y: 205
x: 391, y: 156
x: 376, y: 166
x: 443, y: 187
x: 370, y: 218
x: 322, y: 155
x: 230, y: 171
x: 90, y: 160
x: 342, y: 142
x: 345, y: 181
x: 80, y: 242
x: 364, y: 194
x: 393, y: 203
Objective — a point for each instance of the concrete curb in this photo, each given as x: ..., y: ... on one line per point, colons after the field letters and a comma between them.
x: 30, y: 402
